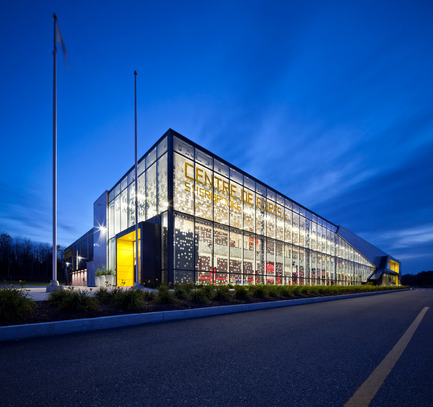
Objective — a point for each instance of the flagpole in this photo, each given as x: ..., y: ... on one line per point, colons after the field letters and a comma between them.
x: 137, y: 262
x: 54, y: 282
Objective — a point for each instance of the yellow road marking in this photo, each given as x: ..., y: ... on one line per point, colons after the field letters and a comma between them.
x: 365, y: 394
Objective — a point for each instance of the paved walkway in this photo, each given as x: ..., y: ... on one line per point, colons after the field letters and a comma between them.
x: 40, y: 294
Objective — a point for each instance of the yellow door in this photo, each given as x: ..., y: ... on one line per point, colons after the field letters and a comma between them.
x: 126, y: 259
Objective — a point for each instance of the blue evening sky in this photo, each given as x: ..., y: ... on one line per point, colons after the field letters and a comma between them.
x: 328, y: 102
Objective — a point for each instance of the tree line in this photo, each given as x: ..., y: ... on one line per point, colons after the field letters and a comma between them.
x: 422, y: 278
x: 22, y: 259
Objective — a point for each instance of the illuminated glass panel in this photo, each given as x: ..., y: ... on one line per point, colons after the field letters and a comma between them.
x: 330, y: 274
x: 124, y: 210
x: 248, y: 269
x: 111, y: 219
x: 221, y: 254
x: 203, y: 159
x: 183, y: 199
x: 162, y: 174
x: 314, y: 277
x: 302, y: 267
x: 117, y: 189
x: 123, y: 184
x: 295, y: 229
x: 235, y: 265
x: 131, y: 176
x: 204, y: 250
x: 203, y: 192
x: 302, y: 230
x: 249, y: 215
x: 141, y: 197
x: 279, y: 262
x: 260, y: 214
x: 280, y: 223
x: 221, y: 168
x: 288, y: 263
x: 287, y: 225
x: 184, y: 243
x: 131, y: 204
x: 249, y: 183
x: 295, y: 265
x: 117, y: 215
x: 221, y: 199
x: 151, y: 157
x: 260, y: 259
x: 151, y: 204
x: 183, y: 148
x: 323, y: 239
x: 270, y: 219
x: 236, y: 176
x: 112, y: 254
x: 236, y: 205
x: 162, y: 147
x: 141, y: 167
x: 270, y: 261
x: 313, y: 236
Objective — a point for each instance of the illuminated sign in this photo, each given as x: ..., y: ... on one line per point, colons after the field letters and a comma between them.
x: 215, y: 188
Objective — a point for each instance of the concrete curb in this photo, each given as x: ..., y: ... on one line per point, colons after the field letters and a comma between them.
x: 14, y: 332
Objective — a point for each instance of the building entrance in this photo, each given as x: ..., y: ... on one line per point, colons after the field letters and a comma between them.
x: 126, y: 259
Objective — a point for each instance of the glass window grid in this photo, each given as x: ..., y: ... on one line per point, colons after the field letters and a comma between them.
x: 152, y: 194
x: 223, y: 254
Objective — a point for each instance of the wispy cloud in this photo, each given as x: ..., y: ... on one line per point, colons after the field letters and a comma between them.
x: 405, y: 238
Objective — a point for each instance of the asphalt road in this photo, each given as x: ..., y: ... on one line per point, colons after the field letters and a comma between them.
x: 309, y: 355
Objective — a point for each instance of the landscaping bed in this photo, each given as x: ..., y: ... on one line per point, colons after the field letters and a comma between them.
x: 16, y: 308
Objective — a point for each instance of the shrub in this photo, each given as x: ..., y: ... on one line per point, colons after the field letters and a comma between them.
x: 104, y: 296
x: 133, y: 299
x: 273, y: 290
x: 296, y: 289
x: 182, y: 292
x: 165, y: 296
x: 208, y: 291
x: 75, y: 301
x: 14, y: 303
x: 258, y: 291
x: 314, y: 289
x: 199, y: 296
x: 286, y: 291
x: 303, y: 289
x: 222, y: 293
x: 56, y: 297
x: 241, y: 292
x: 148, y: 295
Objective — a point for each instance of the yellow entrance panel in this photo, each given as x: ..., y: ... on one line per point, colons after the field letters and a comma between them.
x: 126, y: 259
x: 125, y: 263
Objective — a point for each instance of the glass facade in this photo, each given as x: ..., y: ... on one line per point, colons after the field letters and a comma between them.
x: 219, y: 225
x: 230, y: 228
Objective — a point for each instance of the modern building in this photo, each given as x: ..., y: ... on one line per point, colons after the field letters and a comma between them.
x: 203, y: 220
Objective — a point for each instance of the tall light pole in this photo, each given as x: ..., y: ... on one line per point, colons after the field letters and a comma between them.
x: 137, y: 259
x: 54, y: 283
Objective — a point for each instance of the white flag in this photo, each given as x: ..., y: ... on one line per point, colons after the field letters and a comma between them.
x: 59, y: 39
